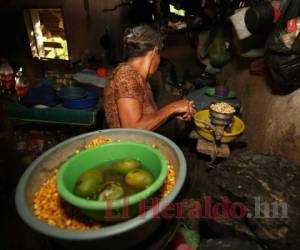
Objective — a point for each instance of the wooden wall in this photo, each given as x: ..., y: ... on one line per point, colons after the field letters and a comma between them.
x: 85, y: 21
x: 84, y: 28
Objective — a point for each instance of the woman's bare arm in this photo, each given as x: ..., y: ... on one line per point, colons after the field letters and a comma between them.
x: 131, y: 113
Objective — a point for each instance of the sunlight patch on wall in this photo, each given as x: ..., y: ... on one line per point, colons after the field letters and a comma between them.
x: 46, y: 33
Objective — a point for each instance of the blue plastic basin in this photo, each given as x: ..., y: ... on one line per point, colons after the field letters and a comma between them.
x: 88, y: 102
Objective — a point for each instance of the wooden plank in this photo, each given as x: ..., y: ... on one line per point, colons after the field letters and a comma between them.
x: 208, y: 148
x: 52, y: 45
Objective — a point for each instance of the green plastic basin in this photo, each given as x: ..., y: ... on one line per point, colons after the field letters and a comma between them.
x: 69, y: 173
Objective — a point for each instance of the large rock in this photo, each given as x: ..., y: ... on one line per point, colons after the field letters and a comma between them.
x: 256, y: 179
x: 229, y: 244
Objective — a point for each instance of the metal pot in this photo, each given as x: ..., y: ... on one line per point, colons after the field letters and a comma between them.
x: 119, y: 236
x: 220, y: 119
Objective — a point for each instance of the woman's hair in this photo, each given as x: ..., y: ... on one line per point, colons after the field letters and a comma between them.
x: 140, y: 39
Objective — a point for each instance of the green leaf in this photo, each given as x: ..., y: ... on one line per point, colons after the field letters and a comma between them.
x: 191, y: 237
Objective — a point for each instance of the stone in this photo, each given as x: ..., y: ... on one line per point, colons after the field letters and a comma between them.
x: 258, y: 181
x: 229, y: 244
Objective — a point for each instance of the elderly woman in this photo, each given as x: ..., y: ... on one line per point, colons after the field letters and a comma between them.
x: 128, y: 99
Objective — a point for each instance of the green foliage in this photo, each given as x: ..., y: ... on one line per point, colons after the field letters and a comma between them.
x: 191, y: 237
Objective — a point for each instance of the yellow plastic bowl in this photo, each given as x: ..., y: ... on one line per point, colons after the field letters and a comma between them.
x: 237, y: 127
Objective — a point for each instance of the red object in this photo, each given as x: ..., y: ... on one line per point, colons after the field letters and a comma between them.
x: 277, y: 14
x: 184, y: 246
x: 7, y: 76
x: 22, y: 90
x: 178, y: 243
x: 258, y: 67
x: 293, y: 24
x: 102, y: 72
x: 7, y: 81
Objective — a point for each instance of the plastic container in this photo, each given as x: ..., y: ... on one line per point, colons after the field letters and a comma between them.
x: 72, y: 93
x: 212, y: 92
x: 87, y: 102
x: 237, y: 127
x: 259, y: 16
x: 221, y: 91
x: 7, y: 77
x: 123, y: 235
x: 151, y: 159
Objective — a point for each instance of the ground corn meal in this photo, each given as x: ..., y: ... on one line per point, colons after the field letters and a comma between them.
x: 52, y: 209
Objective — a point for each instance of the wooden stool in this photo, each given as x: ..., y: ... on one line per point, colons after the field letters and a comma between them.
x: 209, y: 148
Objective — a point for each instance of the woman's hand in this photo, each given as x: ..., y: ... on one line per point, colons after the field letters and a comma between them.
x: 185, y: 117
x: 131, y: 113
x: 181, y: 106
x: 186, y: 109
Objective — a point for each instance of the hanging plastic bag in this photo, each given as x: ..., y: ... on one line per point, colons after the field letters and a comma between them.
x: 218, y: 51
x: 283, y: 46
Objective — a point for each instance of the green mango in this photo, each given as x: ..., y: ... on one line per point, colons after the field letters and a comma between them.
x: 86, y: 188
x: 88, y: 183
x: 124, y: 166
x: 139, y: 178
x: 111, y: 191
x: 91, y: 174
